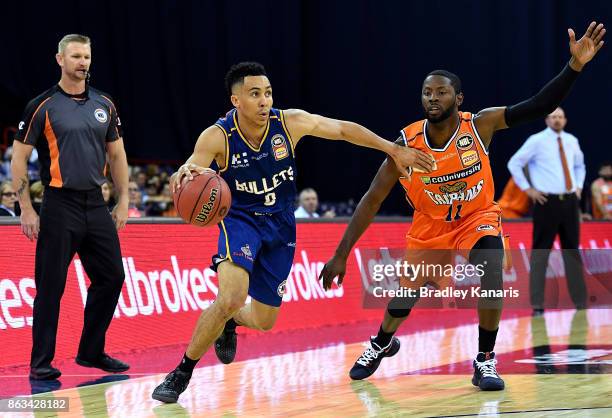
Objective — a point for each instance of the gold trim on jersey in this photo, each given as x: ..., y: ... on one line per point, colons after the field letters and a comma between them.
x: 282, y: 118
x: 221, y: 170
x: 228, y: 254
x: 261, y: 141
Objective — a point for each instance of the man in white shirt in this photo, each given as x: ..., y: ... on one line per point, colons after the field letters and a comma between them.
x: 557, y: 172
x: 309, y: 201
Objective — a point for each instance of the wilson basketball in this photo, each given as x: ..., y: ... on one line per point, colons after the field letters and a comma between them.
x: 203, y: 201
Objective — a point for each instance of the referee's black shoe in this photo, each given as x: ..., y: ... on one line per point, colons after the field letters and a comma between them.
x: 44, y: 373
x: 225, y: 345
x: 104, y: 362
x: 368, y: 362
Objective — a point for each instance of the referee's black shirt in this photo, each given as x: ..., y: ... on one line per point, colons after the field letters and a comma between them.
x: 70, y: 133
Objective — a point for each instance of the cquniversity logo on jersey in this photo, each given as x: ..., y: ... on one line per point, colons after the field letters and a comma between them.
x: 427, y: 180
x: 101, y: 115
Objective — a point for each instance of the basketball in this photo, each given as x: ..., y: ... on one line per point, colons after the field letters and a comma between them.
x: 203, y: 201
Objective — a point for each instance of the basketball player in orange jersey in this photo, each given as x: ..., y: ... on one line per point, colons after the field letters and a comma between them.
x: 453, y: 205
x: 254, y: 148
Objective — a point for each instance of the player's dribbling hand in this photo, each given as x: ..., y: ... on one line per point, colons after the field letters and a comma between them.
x: 30, y: 223
x: 186, y: 171
x: 336, y: 267
x: 586, y: 47
x: 410, y: 157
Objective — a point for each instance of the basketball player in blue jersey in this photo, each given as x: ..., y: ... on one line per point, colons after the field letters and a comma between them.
x: 253, y: 147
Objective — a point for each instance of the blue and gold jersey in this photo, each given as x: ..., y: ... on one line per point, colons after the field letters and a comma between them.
x: 261, y: 179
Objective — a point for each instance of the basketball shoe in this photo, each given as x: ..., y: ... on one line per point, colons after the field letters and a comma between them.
x: 485, y: 374
x: 369, y: 361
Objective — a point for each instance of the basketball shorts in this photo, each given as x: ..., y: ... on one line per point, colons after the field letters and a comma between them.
x: 426, y: 233
x: 264, y: 245
x: 477, y: 238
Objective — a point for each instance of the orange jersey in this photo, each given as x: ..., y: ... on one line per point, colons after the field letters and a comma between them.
x: 460, y: 189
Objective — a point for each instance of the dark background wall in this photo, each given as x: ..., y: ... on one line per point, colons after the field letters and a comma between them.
x: 164, y: 62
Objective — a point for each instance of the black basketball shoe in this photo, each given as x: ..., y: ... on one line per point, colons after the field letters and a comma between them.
x: 225, y: 345
x: 485, y: 373
x: 369, y: 361
x: 173, y: 385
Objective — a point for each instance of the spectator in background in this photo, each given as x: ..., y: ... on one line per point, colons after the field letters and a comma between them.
x: 308, y: 205
x: 157, y: 203
x: 37, y: 190
x: 152, y: 189
x: 162, y: 204
x: 601, y: 191
x: 135, y: 201
x: 32, y: 166
x: 5, y: 164
x: 9, y: 197
x: 164, y: 177
x: 152, y: 170
x: 108, y: 194
x: 141, y: 181
x: 557, y: 171
x: 170, y: 210
x: 513, y: 202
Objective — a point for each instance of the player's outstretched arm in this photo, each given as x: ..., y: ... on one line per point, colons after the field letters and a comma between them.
x: 552, y: 94
x: 209, y: 146
x: 301, y: 123
x: 367, y: 208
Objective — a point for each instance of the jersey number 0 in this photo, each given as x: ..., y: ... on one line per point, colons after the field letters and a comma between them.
x: 270, y: 199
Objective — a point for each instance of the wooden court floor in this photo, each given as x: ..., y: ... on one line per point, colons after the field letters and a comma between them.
x: 556, y: 365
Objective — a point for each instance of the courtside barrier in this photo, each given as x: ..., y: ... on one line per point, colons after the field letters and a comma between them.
x: 169, y: 282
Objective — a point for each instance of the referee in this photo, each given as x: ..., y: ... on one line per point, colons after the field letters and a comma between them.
x: 73, y: 127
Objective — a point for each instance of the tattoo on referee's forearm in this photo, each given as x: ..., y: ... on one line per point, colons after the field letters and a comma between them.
x: 23, y: 187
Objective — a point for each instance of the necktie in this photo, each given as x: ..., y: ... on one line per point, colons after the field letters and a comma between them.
x: 566, y: 173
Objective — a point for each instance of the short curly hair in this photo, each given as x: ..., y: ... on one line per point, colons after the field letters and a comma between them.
x: 454, y: 79
x: 237, y: 72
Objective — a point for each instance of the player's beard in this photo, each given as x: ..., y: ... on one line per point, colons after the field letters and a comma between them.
x: 442, y: 117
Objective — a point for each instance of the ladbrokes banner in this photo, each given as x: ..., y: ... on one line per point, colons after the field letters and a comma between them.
x: 169, y: 282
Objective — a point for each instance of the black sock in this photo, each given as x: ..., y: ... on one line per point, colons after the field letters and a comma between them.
x: 187, y: 365
x: 383, y: 338
x: 486, y: 339
x: 230, y: 325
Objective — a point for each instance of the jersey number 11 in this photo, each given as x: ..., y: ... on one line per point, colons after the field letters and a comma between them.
x: 449, y: 217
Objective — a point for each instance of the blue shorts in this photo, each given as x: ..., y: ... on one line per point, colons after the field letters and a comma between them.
x: 262, y: 244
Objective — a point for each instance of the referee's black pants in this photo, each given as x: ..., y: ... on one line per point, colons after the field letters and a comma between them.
x: 75, y: 222
x: 560, y: 214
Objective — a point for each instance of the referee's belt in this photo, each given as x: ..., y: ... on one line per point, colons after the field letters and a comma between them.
x: 562, y: 196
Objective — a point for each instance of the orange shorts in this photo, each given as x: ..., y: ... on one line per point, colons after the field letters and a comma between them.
x: 438, y: 243
x: 463, y: 234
